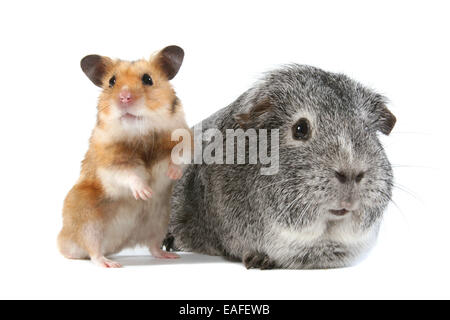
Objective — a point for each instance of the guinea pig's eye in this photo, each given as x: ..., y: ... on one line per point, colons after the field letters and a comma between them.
x: 112, y: 81
x: 147, y: 80
x: 301, y: 130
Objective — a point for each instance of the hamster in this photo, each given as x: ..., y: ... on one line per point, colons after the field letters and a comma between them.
x: 122, y: 198
x: 324, y: 206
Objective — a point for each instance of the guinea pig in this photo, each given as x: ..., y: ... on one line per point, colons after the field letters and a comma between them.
x: 323, y: 207
x: 122, y: 198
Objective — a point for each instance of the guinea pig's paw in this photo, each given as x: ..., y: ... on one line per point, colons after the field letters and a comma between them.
x: 174, y: 172
x: 106, y: 263
x: 140, y: 190
x: 257, y: 260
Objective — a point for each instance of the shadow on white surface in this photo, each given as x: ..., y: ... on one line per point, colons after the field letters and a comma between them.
x: 128, y: 259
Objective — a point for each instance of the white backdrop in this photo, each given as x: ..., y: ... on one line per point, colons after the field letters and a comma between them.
x: 399, y: 48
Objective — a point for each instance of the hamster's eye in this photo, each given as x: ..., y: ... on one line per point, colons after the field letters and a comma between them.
x: 147, y: 80
x: 112, y: 81
x: 301, y: 130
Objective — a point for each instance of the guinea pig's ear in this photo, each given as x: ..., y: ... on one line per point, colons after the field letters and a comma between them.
x: 386, y: 120
x: 95, y: 67
x: 169, y: 60
x: 254, y: 117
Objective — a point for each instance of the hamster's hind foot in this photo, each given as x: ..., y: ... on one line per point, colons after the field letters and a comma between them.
x: 256, y: 260
x: 161, y: 254
x: 106, y: 263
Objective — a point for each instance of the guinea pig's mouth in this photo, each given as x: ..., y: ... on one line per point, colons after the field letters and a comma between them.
x: 340, y: 212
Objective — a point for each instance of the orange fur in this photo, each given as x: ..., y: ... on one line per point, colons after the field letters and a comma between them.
x: 90, y: 210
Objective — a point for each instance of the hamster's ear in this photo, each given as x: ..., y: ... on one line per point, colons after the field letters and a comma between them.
x: 169, y: 60
x: 95, y: 67
x: 254, y: 117
x: 386, y: 120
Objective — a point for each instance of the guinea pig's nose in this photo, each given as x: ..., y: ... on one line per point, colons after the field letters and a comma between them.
x: 125, y: 96
x: 341, y: 176
x: 347, y: 204
x: 344, y: 177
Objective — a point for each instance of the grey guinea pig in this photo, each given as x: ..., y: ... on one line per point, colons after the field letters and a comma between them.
x: 324, y: 206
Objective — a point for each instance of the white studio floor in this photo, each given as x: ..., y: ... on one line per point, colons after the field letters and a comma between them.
x: 410, y: 260
x: 391, y: 271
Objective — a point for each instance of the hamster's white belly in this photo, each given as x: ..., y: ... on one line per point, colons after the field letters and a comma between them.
x: 134, y: 222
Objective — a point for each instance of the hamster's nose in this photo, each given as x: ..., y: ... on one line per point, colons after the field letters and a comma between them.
x: 125, y: 96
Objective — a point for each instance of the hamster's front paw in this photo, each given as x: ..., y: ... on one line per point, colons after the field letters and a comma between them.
x: 257, y: 260
x: 174, y: 172
x: 140, y: 189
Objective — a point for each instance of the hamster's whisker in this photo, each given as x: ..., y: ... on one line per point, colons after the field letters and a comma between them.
x: 103, y: 108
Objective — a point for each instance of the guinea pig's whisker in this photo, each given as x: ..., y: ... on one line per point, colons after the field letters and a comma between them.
x: 394, y: 203
x: 305, y: 208
x: 275, y: 183
x: 397, y: 206
x: 386, y: 166
x: 386, y: 195
x: 400, y: 187
x: 412, y: 166
x: 410, y: 132
x: 407, y: 191
x: 290, y: 207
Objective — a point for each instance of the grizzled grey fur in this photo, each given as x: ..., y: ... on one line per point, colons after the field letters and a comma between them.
x: 284, y: 220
